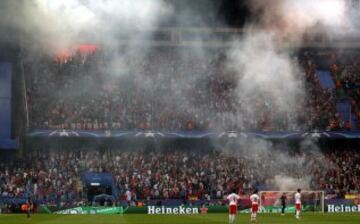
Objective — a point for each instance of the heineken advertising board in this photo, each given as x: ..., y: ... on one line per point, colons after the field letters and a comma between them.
x: 332, y: 208
x: 170, y: 210
x: 181, y: 210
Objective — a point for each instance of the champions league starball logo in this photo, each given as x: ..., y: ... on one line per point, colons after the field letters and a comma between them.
x: 315, y: 135
x: 64, y: 133
x: 232, y: 134
x: 149, y: 134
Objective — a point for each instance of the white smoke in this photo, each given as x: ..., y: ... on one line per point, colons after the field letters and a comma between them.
x: 266, y: 69
x: 64, y: 24
x: 279, y: 166
x: 263, y: 58
x: 286, y: 183
x: 291, y: 19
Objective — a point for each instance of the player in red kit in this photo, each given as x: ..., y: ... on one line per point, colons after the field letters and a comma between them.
x: 233, y: 200
x: 298, y: 203
x: 254, y: 198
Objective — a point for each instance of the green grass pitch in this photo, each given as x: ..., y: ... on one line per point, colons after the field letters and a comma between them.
x: 347, y: 218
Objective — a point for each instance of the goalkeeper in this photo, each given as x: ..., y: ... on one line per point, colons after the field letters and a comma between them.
x: 283, y: 203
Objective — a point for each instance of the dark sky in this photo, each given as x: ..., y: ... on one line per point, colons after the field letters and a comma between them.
x: 234, y: 12
x: 200, y: 13
x: 194, y: 13
x: 187, y: 13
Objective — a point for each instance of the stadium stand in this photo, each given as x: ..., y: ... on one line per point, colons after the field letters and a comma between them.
x: 52, y: 85
x: 56, y: 177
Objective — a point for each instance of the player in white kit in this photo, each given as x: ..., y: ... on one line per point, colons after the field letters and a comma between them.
x: 255, y: 199
x: 298, y: 203
x: 233, y: 201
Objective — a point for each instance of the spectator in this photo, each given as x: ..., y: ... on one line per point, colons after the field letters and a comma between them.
x: 55, y: 177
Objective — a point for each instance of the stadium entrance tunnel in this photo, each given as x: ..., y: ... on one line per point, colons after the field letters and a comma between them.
x: 100, y: 188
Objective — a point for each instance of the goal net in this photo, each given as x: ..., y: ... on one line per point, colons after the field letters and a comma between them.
x: 312, y: 201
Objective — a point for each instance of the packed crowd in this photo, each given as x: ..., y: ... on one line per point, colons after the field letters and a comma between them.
x: 319, y: 111
x: 164, y: 89
x: 55, y: 177
x: 346, y: 72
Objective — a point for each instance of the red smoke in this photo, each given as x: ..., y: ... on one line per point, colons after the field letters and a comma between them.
x: 64, y: 55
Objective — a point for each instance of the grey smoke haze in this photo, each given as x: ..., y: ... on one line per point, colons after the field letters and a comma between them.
x: 262, y: 58
x: 54, y: 25
x: 286, y: 183
x: 262, y: 63
x: 291, y: 19
x: 264, y: 66
x: 282, y: 167
x: 265, y: 70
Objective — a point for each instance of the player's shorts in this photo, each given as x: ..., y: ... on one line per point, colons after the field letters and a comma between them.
x: 232, y: 209
x: 254, y: 208
x: 298, y: 207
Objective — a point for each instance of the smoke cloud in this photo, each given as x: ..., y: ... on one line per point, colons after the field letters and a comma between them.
x: 264, y: 58
x: 292, y: 19
x: 54, y: 25
x: 267, y: 71
x: 285, y: 183
x: 278, y: 166
x: 261, y: 64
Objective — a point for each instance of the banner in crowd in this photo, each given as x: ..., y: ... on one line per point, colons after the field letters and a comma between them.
x: 138, y: 134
